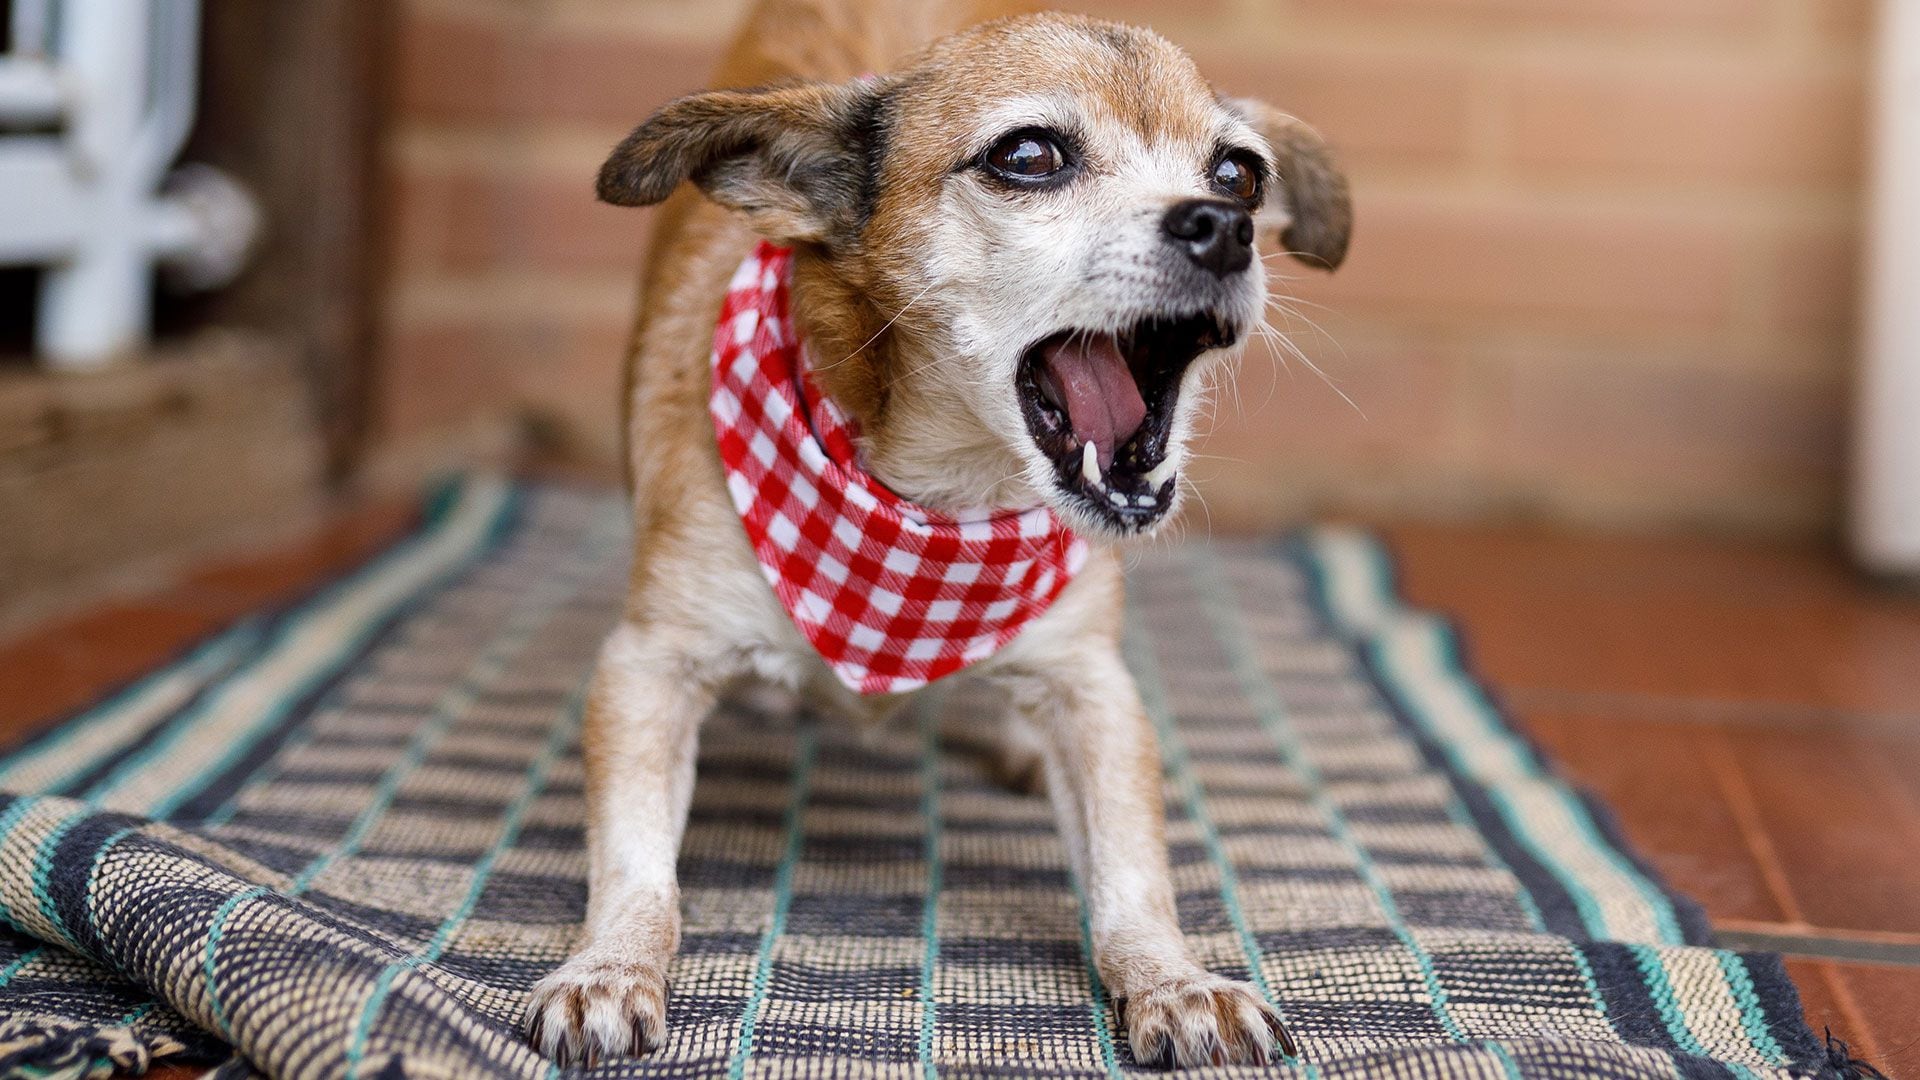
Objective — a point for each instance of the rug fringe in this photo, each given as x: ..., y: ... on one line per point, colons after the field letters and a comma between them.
x: 55, y: 1050
x: 1844, y: 1065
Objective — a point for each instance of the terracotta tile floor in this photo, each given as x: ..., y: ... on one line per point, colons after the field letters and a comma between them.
x: 1751, y: 713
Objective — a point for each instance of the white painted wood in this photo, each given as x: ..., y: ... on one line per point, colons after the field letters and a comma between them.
x: 43, y: 213
x: 96, y: 303
x: 30, y: 92
x: 31, y: 27
x: 115, y: 82
x: 1886, y: 511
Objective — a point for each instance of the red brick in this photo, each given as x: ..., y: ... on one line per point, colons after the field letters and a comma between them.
x: 1651, y: 773
x: 452, y: 70
x: 1370, y: 107
x: 1827, y: 1005
x: 1890, y: 998
x: 1282, y: 441
x: 1849, y: 22
x: 437, y: 377
x: 614, y: 80
x: 462, y: 221
x: 441, y: 376
x: 480, y: 71
x: 567, y: 229
x: 1444, y: 276
x: 1833, y: 803
x: 442, y: 220
x: 572, y: 365
x: 1738, y: 125
x: 1279, y: 409
x: 1719, y: 17
x: 1463, y: 262
x: 1810, y: 281
x: 1667, y: 426
x: 1154, y: 13
x: 571, y: 383
x: 416, y: 203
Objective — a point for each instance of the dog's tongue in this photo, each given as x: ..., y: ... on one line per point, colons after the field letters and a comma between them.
x: 1103, y: 403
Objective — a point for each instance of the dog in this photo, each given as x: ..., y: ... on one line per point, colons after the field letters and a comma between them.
x: 1009, y: 264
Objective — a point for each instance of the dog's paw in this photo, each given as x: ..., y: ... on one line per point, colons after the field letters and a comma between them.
x: 1203, y: 1020
x: 589, y: 1010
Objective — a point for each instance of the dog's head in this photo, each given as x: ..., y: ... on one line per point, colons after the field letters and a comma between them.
x: 1017, y: 259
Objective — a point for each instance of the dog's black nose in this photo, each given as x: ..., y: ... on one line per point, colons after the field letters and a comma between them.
x: 1216, y: 235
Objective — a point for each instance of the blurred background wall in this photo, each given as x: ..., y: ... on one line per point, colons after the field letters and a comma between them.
x: 1603, y: 271
x: 1603, y: 274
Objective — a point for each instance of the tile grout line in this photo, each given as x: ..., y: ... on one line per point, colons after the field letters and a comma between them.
x: 1819, y: 947
x: 1825, y: 933
x: 1459, y: 782
x: 1864, y: 1041
x: 1684, y: 709
x: 1419, y: 661
x: 1375, y: 577
x: 1738, y: 795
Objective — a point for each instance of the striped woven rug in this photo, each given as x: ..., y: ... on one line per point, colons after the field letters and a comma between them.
x: 344, y: 838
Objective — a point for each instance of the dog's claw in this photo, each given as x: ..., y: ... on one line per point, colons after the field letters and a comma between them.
x: 1203, y: 1020
x: 588, y: 1011
x: 1281, y: 1036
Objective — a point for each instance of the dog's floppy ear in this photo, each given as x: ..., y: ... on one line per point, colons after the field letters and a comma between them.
x: 1310, y: 212
x: 795, y: 160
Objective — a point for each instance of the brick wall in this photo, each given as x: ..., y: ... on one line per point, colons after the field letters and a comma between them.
x: 1603, y: 269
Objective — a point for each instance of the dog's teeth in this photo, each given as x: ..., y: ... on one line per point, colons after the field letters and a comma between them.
x: 1159, y: 473
x: 1117, y: 499
x: 1090, y: 464
x: 1143, y: 500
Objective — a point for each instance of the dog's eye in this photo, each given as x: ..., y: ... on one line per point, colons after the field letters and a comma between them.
x: 1027, y: 155
x: 1237, y: 175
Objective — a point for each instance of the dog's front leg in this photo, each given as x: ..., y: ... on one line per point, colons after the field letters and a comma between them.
x: 640, y: 737
x: 1103, y: 773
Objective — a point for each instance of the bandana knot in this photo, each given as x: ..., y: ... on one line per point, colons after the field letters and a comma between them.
x: 891, y: 594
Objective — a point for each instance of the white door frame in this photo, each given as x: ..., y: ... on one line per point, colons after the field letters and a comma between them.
x: 1886, y: 496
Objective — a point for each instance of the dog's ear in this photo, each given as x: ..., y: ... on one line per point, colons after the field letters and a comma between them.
x: 1310, y: 213
x: 796, y: 160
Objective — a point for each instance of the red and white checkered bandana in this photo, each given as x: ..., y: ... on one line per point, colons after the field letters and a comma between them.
x: 892, y: 595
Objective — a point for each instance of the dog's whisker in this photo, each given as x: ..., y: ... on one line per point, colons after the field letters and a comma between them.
x: 1199, y: 496
x: 1286, y: 307
x: 1288, y: 300
x: 888, y: 326
x: 1300, y: 354
x: 1194, y: 455
x: 928, y: 366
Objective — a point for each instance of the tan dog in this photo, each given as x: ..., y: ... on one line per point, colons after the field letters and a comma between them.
x: 1033, y: 245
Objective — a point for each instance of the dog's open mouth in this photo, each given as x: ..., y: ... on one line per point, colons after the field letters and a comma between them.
x: 1100, y: 407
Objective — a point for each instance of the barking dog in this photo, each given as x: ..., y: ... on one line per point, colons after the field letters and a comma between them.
x: 921, y: 342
